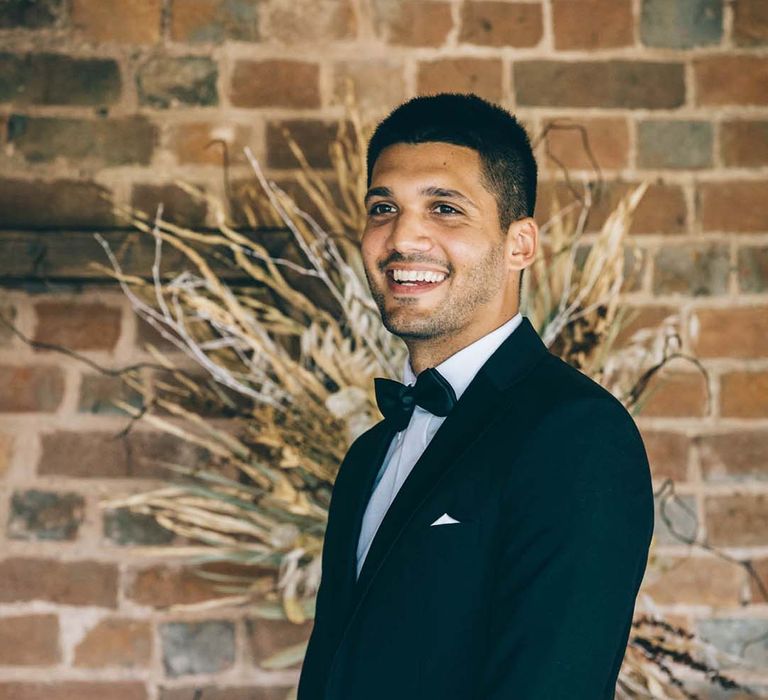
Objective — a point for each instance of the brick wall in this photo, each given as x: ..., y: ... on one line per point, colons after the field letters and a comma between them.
x: 115, y: 99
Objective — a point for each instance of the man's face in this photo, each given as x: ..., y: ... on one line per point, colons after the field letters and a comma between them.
x: 433, y: 251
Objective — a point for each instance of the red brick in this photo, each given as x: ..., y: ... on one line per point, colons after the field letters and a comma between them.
x: 376, y: 84
x: 65, y: 583
x: 674, y: 393
x: 209, y: 692
x: 313, y: 138
x: 642, y: 318
x: 750, y: 22
x: 203, y: 143
x: 161, y: 587
x: 309, y: 21
x: 61, y: 204
x: 667, y: 454
x: 695, y: 581
x: 116, y: 642
x: 414, y: 23
x: 30, y: 389
x: 731, y: 80
x: 267, y: 637
x: 494, y: 23
x: 744, y: 143
x: 610, y: 84
x: 179, y: 207
x: 732, y: 332
x: 127, y: 21
x: 214, y: 20
x: 733, y: 206
x: 479, y: 75
x: 737, y: 521
x: 744, y: 394
x: 592, y: 24
x: 275, y: 83
x: 29, y: 640
x: 99, y: 392
x: 140, y: 454
x: 72, y: 690
x: 741, y: 455
x: 606, y: 138
x: 758, y: 593
x: 6, y: 452
x: 78, y: 325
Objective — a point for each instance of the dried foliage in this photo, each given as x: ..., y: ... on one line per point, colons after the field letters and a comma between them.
x: 273, y: 378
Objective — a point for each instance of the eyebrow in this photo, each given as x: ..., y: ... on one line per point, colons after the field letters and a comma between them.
x: 427, y: 191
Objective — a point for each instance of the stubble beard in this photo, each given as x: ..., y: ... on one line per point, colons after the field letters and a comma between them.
x: 480, y: 284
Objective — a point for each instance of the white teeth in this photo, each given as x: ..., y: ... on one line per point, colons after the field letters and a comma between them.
x: 417, y: 276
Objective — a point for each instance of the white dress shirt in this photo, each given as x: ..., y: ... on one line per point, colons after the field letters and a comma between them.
x: 409, y: 444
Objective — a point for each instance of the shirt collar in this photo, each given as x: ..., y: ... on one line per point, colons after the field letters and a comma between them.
x: 461, y: 367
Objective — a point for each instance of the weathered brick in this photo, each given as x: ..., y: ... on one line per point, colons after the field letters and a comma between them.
x: 179, y: 207
x: 30, y: 14
x: 376, y: 84
x: 675, y: 394
x: 681, y: 25
x: 77, y: 325
x: 29, y: 640
x: 733, y: 206
x: 203, y: 143
x: 495, y: 23
x: 479, y: 75
x: 642, y: 318
x: 219, y: 692
x: 744, y: 394
x: 8, y: 314
x: 45, y: 515
x: 99, y: 391
x: 416, y: 23
x: 742, y: 639
x: 32, y: 204
x: 169, y: 81
x: 592, y: 24
x: 126, y: 21
x: 6, y: 452
x: 197, y: 647
x: 86, y: 454
x: 675, y: 520
x: 116, y: 642
x: 674, y: 144
x: 214, y: 20
x: 753, y: 268
x: 735, y: 456
x: 744, y: 143
x: 309, y: 21
x: 53, y: 79
x: 694, y: 270
x: 733, y: 332
x: 740, y: 520
x: 761, y: 570
x: 750, y: 22
x: 695, y: 581
x: 613, y: 84
x: 73, y: 690
x: 313, y: 137
x: 65, y: 583
x: 124, y: 527
x: 731, y: 80
x: 275, y: 83
x: 607, y: 138
x: 667, y: 454
x: 267, y: 637
x: 30, y: 389
x: 89, y: 142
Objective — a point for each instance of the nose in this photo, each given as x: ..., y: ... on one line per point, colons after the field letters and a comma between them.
x: 408, y: 234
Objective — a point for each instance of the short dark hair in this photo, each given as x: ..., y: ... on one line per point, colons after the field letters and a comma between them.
x: 508, y: 165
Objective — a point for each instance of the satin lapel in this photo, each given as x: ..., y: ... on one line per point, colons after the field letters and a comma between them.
x: 464, y: 425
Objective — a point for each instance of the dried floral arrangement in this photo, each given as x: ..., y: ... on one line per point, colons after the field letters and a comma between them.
x: 287, y: 358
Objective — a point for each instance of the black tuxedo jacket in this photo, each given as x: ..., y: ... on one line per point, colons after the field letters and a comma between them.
x: 531, y: 595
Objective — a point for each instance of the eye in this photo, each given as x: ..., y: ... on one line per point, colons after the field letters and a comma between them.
x: 380, y: 208
x: 442, y: 208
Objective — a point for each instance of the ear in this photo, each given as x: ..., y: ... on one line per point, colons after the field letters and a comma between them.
x: 522, y: 242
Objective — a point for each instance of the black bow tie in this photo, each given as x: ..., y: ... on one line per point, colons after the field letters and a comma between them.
x: 397, y: 401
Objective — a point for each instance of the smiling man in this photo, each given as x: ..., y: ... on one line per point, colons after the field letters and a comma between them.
x: 487, y: 539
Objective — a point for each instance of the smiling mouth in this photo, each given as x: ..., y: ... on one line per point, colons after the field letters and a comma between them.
x: 411, y: 281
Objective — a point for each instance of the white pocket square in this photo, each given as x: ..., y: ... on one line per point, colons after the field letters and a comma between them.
x: 445, y: 519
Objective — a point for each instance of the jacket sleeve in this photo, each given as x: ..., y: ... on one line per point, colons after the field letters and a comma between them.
x: 577, y: 520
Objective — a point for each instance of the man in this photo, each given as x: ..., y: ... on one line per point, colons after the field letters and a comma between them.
x: 487, y: 539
